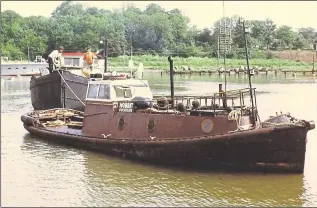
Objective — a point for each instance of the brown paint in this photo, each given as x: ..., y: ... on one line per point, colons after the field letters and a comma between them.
x: 268, y: 149
x: 166, y: 125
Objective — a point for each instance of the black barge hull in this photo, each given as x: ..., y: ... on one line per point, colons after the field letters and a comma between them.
x: 50, y: 91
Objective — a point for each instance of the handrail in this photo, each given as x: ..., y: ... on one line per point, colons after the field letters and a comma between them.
x: 207, y: 102
x: 230, y: 92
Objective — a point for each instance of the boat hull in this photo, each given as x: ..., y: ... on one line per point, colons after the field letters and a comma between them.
x: 269, y: 149
x: 49, y: 91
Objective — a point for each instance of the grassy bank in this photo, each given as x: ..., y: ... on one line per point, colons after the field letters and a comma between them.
x: 197, y: 64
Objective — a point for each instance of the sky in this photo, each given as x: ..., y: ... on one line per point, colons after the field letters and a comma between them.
x: 203, y: 14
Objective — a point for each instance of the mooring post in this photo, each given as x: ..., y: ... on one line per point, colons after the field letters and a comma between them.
x: 220, y: 88
x: 171, y: 79
x: 313, y: 64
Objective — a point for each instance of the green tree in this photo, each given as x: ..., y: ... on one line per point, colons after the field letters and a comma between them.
x: 263, y: 32
x: 152, y: 30
x: 309, y: 34
x: 286, y: 35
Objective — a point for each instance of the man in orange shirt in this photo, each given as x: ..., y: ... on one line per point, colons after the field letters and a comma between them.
x: 89, y: 58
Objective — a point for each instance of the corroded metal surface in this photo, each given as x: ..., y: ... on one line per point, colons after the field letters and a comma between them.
x: 144, y: 125
x: 271, y: 149
x: 181, y: 139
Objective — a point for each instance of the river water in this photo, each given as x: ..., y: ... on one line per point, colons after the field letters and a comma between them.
x: 38, y: 173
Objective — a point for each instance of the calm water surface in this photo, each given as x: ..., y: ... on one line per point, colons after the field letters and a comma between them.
x: 38, y: 173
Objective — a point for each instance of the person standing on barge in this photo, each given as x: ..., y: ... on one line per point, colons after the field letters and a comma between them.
x: 56, y: 54
x: 89, y: 58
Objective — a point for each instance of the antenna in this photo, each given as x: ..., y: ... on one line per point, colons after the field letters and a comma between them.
x: 131, y: 66
x: 139, y: 72
x: 254, y: 118
x: 105, y: 53
x: 225, y: 39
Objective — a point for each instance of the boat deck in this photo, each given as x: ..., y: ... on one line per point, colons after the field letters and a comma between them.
x: 65, y: 129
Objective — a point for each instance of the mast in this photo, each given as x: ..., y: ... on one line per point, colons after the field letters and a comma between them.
x: 225, y: 48
x: 124, y: 55
x: 131, y: 49
x: 224, y: 39
x: 249, y: 72
x: 106, y: 55
x: 28, y: 54
x: 225, y: 43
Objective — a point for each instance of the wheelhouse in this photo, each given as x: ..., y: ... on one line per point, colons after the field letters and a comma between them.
x: 117, y: 90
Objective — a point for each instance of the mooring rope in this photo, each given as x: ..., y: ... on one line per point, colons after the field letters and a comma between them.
x: 69, y: 87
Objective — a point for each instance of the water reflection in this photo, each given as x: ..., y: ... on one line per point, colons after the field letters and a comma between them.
x: 111, y: 181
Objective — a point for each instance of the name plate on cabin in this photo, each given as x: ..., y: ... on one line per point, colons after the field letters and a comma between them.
x: 126, y: 107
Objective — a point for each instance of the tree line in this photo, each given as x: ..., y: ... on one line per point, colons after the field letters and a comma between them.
x: 151, y: 31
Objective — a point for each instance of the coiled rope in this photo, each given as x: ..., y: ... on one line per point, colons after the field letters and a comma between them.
x: 69, y: 87
x: 234, y: 115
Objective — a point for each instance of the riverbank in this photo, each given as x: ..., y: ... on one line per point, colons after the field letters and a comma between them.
x: 209, y: 64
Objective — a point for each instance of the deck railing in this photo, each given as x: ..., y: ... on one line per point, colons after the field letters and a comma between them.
x: 216, y: 101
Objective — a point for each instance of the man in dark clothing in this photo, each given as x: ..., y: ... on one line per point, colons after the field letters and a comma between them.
x: 54, y: 54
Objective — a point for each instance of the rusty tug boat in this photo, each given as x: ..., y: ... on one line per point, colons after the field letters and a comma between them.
x: 123, y: 118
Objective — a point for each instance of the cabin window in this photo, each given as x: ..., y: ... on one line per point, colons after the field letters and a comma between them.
x: 104, y: 92
x: 92, y: 91
x: 76, y: 61
x: 71, y: 61
x: 68, y: 61
x: 123, y: 92
x: 142, y: 91
x: 24, y: 67
x: 9, y: 68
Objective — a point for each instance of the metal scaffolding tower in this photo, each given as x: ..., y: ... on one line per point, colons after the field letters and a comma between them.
x: 225, y: 36
x: 224, y: 40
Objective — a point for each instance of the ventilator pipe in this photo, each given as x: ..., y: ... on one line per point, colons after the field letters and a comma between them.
x: 171, y: 79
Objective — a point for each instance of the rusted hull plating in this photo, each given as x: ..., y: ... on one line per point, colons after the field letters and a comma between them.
x: 268, y: 149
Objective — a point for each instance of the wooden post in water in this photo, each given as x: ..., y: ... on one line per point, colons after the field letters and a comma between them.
x: 171, y: 79
x: 313, y: 72
x: 218, y: 51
